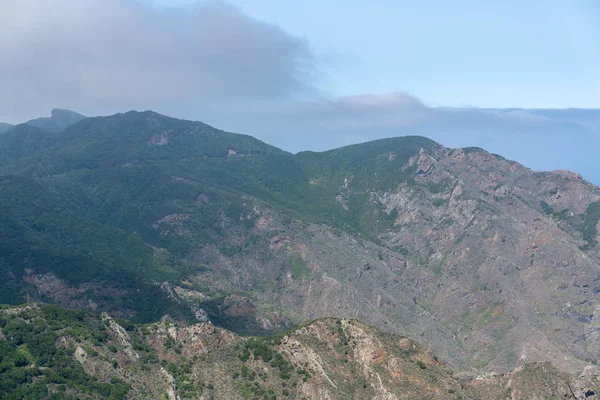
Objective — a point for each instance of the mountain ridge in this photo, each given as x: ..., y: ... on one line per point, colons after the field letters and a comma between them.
x: 59, y: 120
x: 101, y: 357
x: 467, y: 251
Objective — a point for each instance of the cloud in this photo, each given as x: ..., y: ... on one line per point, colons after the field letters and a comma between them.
x: 539, y: 139
x: 320, y: 124
x: 209, y: 61
x: 99, y: 56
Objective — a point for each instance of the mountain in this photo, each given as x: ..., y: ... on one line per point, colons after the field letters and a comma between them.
x: 5, y: 127
x: 57, y: 122
x: 47, y: 352
x: 23, y: 140
x: 45, y: 245
x: 490, y: 264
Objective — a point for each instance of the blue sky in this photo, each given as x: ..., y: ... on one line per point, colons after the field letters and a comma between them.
x: 314, y: 75
x: 535, y: 53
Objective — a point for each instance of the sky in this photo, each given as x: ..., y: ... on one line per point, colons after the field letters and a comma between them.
x: 313, y: 75
x: 537, y: 53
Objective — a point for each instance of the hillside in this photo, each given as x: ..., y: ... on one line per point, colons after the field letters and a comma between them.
x: 58, y: 121
x: 47, y: 351
x: 4, y: 127
x: 42, y: 244
x: 22, y: 141
x: 490, y: 264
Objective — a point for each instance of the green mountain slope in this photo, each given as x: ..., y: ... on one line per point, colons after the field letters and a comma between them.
x: 487, y: 262
x: 23, y: 141
x: 42, y: 241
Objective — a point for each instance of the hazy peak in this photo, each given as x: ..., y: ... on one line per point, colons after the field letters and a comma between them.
x: 59, y: 120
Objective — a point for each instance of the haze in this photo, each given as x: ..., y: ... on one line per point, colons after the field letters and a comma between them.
x: 314, y: 76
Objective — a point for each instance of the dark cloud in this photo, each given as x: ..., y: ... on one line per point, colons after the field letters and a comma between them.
x: 100, y: 56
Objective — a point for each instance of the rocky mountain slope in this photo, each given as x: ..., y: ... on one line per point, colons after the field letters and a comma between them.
x: 491, y: 264
x: 47, y: 352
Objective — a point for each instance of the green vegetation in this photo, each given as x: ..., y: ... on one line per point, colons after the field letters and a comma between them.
x: 117, y: 203
x: 38, y: 233
x: 59, y: 120
x: 469, y: 150
x: 263, y: 348
x: 589, y: 225
x: 104, y: 213
x: 299, y: 269
x: 41, y: 357
x: 23, y: 141
x: 401, y: 249
x: 33, y: 365
x: 363, y: 168
x: 440, y: 202
x: 440, y: 187
x: 549, y: 210
x: 187, y: 387
x: 242, y: 324
x: 444, y: 223
x: 546, y: 208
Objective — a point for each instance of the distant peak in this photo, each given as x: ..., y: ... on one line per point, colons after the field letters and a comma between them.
x: 63, y: 112
x: 59, y: 120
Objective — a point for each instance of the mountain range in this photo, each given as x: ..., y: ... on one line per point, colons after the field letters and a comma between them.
x: 490, y: 264
x: 58, y: 121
